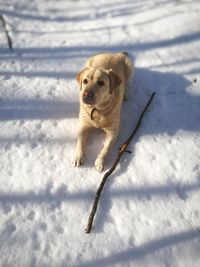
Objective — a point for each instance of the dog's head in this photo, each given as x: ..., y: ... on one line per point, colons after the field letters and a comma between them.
x: 97, y: 85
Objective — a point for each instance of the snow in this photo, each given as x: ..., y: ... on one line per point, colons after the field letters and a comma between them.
x: 149, y: 210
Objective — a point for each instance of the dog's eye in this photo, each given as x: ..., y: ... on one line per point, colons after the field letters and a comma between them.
x: 85, y: 81
x: 100, y: 83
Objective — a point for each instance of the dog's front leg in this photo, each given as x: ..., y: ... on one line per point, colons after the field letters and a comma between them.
x: 80, y: 147
x: 109, y: 140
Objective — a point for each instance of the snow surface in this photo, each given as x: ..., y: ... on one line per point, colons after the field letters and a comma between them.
x: 151, y: 204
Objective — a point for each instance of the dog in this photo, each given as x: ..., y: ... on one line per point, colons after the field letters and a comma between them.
x: 102, y: 89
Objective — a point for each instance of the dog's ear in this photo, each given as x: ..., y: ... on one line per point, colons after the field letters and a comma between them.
x: 114, y: 80
x: 80, y: 75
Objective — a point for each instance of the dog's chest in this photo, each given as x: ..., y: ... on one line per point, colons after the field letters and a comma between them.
x: 99, y: 120
x: 96, y: 119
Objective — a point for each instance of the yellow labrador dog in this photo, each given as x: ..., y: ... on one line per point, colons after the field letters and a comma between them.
x: 102, y: 89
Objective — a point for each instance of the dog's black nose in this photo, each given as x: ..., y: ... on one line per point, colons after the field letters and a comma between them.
x: 88, y: 94
x: 88, y: 97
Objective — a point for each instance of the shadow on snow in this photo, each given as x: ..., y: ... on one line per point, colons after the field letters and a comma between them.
x: 137, y: 253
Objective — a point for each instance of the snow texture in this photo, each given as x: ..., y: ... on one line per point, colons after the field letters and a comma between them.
x: 149, y: 210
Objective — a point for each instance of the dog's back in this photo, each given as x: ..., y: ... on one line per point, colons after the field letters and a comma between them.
x: 118, y: 62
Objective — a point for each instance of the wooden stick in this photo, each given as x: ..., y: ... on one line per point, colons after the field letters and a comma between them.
x: 9, y: 40
x: 122, y: 150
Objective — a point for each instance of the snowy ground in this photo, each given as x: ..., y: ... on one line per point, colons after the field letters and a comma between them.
x: 150, y: 205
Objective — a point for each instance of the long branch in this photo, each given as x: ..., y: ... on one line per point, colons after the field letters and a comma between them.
x: 122, y: 150
x: 9, y: 40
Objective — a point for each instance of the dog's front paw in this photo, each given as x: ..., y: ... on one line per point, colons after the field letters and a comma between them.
x: 78, y: 160
x: 99, y: 164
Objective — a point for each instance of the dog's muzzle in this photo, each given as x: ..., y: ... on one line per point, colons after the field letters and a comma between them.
x: 88, y: 97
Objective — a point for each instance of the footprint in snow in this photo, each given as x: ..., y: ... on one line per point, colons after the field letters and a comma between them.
x: 35, y: 241
x: 55, y: 123
x: 131, y: 242
x: 31, y: 215
x: 10, y: 173
x: 38, y: 126
x: 10, y: 229
x: 43, y: 226
x: 51, y: 157
x: 168, y: 223
x: 41, y: 137
x: 173, y: 165
x: 34, y: 145
x: 59, y: 229
x: 181, y: 193
x: 196, y: 170
x: 7, y: 209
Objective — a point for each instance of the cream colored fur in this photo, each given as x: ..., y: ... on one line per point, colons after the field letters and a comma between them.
x: 113, y: 71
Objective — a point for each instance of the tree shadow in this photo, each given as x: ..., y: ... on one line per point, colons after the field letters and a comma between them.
x: 45, y: 196
x: 44, y: 18
x: 139, y: 252
x: 148, y: 192
x: 42, y: 74
x: 176, y: 63
x: 66, y: 51
x: 88, y: 13
x: 31, y: 109
x: 39, y: 139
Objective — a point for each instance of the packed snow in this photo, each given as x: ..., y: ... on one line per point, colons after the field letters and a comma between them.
x: 149, y: 211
